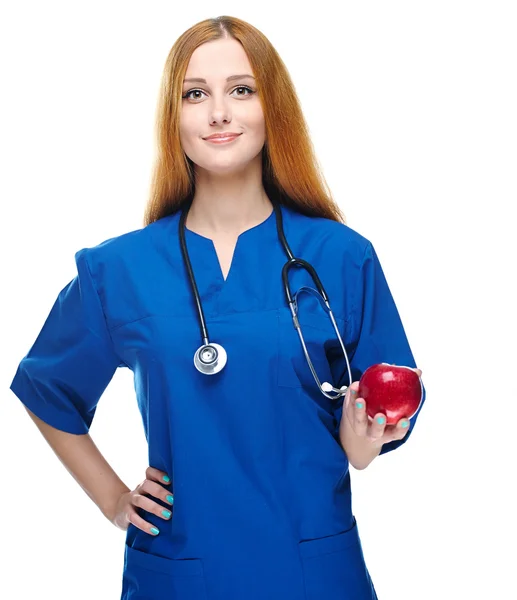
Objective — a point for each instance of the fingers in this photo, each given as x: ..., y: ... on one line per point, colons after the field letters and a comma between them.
x: 376, y: 430
x: 380, y: 429
x: 157, y: 475
x: 153, y: 485
x: 360, y: 420
x: 135, y: 519
x: 395, y: 432
x: 151, y: 506
x: 156, y: 490
x: 356, y: 411
x: 351, y: 394
x: 377, y: 427
x: 400, y: 429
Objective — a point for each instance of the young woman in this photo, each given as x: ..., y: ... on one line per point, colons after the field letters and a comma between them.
x: 248, y: 490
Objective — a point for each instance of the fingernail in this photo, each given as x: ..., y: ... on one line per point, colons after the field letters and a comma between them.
x: 166, y: 513
x: 155, y: 531
x: 353, y: 391
x: 359, y: 404
x: 170, y: 499
x: 380, y: 420
x: 405, y: 423
x: 166, y: 478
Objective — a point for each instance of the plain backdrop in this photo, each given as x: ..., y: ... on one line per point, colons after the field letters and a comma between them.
x: 412, y: 110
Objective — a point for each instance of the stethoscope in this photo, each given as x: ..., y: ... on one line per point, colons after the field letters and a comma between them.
x: 211, y: 358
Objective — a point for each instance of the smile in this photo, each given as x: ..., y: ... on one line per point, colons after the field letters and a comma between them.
x: 223, y: 140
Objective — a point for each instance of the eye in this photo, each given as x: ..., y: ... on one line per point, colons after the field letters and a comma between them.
x: 240, y: 87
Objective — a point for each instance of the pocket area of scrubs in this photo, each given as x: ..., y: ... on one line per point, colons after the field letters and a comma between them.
x: 319, y: 336
x: 334, y: 568
x: 293, y: 369
x: 150, y: 576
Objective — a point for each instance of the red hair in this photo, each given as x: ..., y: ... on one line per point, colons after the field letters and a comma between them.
x: 290, y: 171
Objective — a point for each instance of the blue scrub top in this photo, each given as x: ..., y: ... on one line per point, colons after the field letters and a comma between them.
x: 262, y: 498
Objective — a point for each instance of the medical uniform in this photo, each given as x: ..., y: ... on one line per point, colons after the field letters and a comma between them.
x: 262, y: 498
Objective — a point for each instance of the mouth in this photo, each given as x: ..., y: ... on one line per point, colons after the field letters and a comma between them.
x: 222, y: 139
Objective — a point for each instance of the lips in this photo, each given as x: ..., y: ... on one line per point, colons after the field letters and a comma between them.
x: 222, y: 136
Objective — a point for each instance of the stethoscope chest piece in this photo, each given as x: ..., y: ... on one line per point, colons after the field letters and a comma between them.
x: 210, y: 358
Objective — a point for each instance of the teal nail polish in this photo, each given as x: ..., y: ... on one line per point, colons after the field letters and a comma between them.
x: 405, y: 423
x: 170, y: 499
x: 380, y: 420
x: 155, y: 531
x: 166, y: 513
x: 359, y: 404
x: 166, y: 478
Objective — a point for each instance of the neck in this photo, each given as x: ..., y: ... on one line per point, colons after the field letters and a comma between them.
x: 228, y: 204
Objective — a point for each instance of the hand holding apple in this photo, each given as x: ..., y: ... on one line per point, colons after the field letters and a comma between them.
x: 396, y: 391
x: 385, y: 416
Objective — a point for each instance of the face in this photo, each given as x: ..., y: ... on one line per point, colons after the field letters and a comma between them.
x: 219, y: 106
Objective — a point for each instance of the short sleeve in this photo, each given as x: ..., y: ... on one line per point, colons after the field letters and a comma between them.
x: 377, y: 333
x: 72, y: 360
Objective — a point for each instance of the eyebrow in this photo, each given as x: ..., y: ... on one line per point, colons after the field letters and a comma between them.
x: 231, y: 78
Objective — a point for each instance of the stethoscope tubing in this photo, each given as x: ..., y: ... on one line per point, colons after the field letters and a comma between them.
x: 188, y: 264
x: 291, y: 262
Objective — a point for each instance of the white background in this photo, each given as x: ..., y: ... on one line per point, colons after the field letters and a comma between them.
x: 412, y: 111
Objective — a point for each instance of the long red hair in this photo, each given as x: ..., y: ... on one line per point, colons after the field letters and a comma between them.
x: 290, y: 171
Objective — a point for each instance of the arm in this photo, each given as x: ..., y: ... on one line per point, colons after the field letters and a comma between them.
x: 86, y: 464
x: 62, y: 377
x: 376, y: 334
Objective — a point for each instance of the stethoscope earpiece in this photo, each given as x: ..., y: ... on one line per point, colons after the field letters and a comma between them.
x: 210, y: 358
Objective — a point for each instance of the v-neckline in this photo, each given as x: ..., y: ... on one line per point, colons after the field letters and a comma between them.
x: 231, y: 260
x: 224, y: 280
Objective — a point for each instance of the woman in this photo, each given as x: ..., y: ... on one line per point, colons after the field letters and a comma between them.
x: 248, y: 490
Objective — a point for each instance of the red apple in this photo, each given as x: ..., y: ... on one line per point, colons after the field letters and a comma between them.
x: 393, y: 390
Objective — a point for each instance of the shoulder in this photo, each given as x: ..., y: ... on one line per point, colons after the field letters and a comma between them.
x: 131, y: 248
x: 336, y: 238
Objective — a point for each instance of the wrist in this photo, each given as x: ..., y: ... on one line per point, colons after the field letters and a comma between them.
x: 109, y: 506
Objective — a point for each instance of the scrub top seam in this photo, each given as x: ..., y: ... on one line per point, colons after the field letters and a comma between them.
x: 220, y: 317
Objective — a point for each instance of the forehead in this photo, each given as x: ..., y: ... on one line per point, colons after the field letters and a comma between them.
x: 217, y: 60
